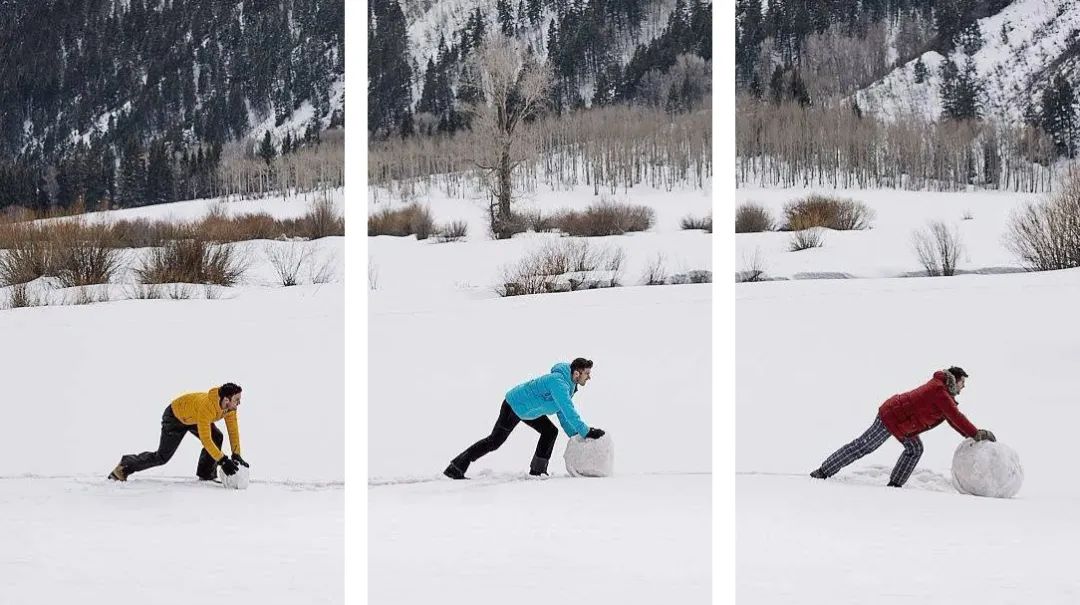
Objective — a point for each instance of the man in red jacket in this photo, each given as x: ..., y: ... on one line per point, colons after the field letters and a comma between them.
x: 905, y: 416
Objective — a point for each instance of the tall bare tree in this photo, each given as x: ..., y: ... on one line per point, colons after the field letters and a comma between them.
x: 513, y: 87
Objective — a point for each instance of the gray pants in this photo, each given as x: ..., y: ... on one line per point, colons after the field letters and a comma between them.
x: 869, y: 441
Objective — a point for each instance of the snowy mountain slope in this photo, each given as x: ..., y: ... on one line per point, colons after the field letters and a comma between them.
x: 429, y: 20
x: 1040, y: 41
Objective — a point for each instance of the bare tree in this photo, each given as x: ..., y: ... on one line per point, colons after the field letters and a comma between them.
x: 938, y: 248
x: 513, y: 87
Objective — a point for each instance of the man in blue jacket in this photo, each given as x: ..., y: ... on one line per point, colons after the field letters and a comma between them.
x: 531, y: 402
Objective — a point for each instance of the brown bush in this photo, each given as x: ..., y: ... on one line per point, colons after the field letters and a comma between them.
x: 829, y: 212
x: 538, y: 272
x: 605, y: 218
x: 753, y: 218
x: 806, y: 239
x: 692, y: 222
x: 192, y: 261
x: 452, y: 232
x: 413, y: 219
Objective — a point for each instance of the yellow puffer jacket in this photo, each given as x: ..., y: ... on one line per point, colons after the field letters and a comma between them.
x: 204, y: 409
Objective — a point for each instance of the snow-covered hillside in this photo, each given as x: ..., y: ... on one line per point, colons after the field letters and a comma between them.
x: 1025, y: 45
x: 86, y: 384
x: 444, y: 349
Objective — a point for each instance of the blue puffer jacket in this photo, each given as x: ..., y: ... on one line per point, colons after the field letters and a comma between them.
x: 549, y: 394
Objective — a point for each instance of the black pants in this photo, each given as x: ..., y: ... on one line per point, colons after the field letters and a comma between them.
x: 172, y: 432
x: 503, y: 426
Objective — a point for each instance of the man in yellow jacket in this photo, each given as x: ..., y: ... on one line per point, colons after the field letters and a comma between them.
x: 193, y: 413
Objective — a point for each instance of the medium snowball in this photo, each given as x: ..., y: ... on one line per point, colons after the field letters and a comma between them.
x: 239, y: 479
x: 590, y: 457
x: 987, y: 468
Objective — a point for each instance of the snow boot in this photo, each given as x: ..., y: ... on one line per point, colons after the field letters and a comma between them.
x: 118, y: 473
x: 538, y: 467
x: 818, y: 474
x: 455, y: 472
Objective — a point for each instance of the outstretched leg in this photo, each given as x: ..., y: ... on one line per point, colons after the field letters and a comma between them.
x: 503, y: 426
x: 544, y: 446
x: 172, y: 432
x: 869, y: 441
x: 913, y: 450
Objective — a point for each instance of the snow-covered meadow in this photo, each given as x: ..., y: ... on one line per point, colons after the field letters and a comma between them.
x: 85, y: 384
x: 444, y: 348
x: 816, y: 357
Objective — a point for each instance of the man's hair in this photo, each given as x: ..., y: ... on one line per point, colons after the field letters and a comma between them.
x: 958, y: 372
x: 227, y: 390
x: 580, y: 364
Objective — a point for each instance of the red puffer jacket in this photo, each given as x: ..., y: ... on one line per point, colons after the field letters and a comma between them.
x: 913, y: 412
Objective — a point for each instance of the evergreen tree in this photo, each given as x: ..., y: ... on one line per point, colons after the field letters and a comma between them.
x: 390, y: 76
x: 159, y: 175
x: 1059, y: 116
x: 535, y: 9
x: 920, y: 71
x: 776, y: 85
x: 970, y: 38
x: 132, y: 176
x: 505, y: 16
x: 961, y: 91
x: 266, y: 149
x: 798, y: 90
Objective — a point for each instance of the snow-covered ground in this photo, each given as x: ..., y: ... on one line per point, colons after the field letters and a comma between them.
x: 444, y: 349
x: 814, y: 360
x: 86, y: 384
x: 885, y: 250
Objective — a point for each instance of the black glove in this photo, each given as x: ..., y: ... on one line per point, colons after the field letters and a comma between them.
x: 983, y: 434
x: 228, y: 466
x: 594, y: 433
x: 237, y: 459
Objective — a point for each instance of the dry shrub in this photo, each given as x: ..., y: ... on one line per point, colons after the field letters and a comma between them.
x: 704, y: 223
x: 806, y: 239
x: 84, y: 256
x: 413, y: 219
x: 655, y: 273
x: 192, y: 261
x: 1046, y: 236
x: 454, y: 231
x: 22, y: 296
x: 752, y: 218
x: 605, y: 218
x: 938, y: 249
x: 563, y: 266
x: 322, y: 220
x: 288, y: 260
x: 752, y: 269
x: 522, y: 222
x: 829, y: 212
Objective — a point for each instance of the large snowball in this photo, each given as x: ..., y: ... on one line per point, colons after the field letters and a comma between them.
x: 238, y: 480
x: 987, y: 468
x: 590, y: 457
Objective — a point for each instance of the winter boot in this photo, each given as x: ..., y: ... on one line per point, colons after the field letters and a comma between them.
x: 456, y: 470
x: 538, y: 467
x: 118, y: 473
x: 818, y: 474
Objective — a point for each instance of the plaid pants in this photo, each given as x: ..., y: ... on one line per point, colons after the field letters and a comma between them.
x: 869, y: 441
